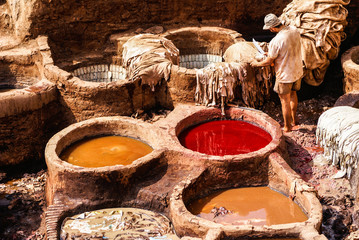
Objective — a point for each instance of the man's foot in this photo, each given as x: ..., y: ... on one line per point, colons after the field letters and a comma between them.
x: 287, y: 129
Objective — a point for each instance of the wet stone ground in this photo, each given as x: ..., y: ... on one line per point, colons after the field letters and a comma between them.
x: 22, y: 202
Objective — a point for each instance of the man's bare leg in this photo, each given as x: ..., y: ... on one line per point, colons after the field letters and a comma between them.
x: 293, y: 107
x: 286, y: 111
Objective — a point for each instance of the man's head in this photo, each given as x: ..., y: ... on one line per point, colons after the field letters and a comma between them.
x: 271, y: 21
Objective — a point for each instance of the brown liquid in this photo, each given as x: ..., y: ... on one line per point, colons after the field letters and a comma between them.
x: 255, y: 206
x: 105, y: 151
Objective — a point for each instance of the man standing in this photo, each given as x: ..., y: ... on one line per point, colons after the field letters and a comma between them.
x: 284, y: 51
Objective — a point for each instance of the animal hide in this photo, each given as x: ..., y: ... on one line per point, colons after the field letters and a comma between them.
x: 149, y: 57
x: 321, y: 24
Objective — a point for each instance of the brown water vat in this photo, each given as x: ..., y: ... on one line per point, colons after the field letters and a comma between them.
x: 102, y: 183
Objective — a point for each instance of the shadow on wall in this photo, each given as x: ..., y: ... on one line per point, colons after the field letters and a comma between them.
x: 88, y: 24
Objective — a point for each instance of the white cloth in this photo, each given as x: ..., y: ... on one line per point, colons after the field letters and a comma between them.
x: 285, y: 48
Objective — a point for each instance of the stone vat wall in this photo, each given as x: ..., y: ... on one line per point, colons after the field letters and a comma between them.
x: 29, y: 116
x: 350, y: 65
x: 24, y: 140
x: 89, y: 23
x: 98, y: 17
x: 81, y: 24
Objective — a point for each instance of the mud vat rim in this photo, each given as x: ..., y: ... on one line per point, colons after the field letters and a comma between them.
x: 182, y: 218
x: 29, y: 98
x: 347, y: 59
x: 202, y: 114
x: 53, y: 150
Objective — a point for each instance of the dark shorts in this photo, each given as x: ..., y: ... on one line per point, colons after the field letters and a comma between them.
x: 285, y: 88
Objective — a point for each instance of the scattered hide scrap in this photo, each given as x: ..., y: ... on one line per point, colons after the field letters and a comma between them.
x: 149, y: 57
x: 321, y: 24
x: 118, y: 223
x: 217, y: 82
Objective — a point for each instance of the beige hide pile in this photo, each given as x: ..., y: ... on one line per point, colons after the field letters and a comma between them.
x: 217, y: 81
x: 149, y: 57
x: 321, y: 24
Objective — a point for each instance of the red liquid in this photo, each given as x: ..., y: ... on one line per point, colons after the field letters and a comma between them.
x: 224, y: 137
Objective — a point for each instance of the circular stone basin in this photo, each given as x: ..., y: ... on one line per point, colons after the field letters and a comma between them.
x: 247, y: 133
x: 253, y: 205
x: 117, y: 223
x: 101, y: 73
x: 106, y: 182
x: 200, y: 46
x: 224, y: 137
x: 350, y: 65
x: 105, y: 151
x: 6, y: 87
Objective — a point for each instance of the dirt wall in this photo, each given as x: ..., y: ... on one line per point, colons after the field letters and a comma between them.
x: 25, y: 138
x: 90, y: 22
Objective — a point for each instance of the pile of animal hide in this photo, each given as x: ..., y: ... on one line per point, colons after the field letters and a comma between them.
x: 338, y: 133
x: 217, y: 81
x: 321, y: 24
x: 149, y: 57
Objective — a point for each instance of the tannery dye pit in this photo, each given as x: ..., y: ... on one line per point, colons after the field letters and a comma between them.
x: 105, y: 151
x: 155, y: 123
x: 256, y: 206
x: 224, y: 137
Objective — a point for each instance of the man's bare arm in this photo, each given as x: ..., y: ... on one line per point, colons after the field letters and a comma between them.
x: 266, y: 62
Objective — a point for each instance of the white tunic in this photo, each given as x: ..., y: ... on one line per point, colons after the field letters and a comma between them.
x: 285, y: 48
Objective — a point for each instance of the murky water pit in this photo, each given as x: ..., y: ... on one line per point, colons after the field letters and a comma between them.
x: 118, y: 177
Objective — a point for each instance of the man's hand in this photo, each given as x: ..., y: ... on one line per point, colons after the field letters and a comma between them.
x: 254, y: 63
x: 266, y: 62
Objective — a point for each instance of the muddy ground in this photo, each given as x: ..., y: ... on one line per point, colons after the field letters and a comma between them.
x: 22, y: 202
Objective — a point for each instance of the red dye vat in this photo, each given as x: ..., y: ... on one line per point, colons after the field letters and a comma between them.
x: 224, y: 137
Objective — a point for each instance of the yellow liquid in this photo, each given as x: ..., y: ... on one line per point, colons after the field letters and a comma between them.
x: 254, y: 206
x: 105, y: 151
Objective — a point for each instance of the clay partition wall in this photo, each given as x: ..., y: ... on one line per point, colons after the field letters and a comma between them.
x: 29, y: 107
x: 166, y: 179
